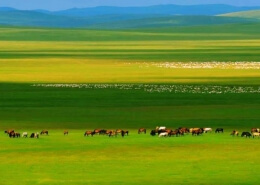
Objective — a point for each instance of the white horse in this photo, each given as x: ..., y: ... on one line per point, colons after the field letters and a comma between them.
x: 205, y: 130
x: 160, y: 128
x: 163, y: 134
x: 25, y: 134
x: 256, y: 134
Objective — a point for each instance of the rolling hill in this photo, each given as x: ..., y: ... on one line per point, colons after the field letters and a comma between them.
x: 255, y: 14
x: 38, y: 19
x: 169, y: 9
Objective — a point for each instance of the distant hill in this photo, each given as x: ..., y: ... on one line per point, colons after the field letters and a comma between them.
x: 172, y: 21
x: 158, y: 9
x: 37, y: 19
x: 125, y: 17
x: 244, y: 14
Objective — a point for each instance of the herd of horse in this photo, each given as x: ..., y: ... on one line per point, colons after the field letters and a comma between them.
x: 160, y: 131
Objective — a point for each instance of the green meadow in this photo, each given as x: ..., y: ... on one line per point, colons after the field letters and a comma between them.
x: 32, y: 56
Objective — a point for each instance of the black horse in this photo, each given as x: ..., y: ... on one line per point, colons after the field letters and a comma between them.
x: 247, y: 134
x: 34, y: 135
x: 218, y: 130
x: 153, y: 133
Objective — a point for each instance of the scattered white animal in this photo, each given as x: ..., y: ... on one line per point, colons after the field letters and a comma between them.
x: 205, y: 130
x: 256, y: 134
x: 164, y: 134
x: 160, y: 128
x: 25, y: 134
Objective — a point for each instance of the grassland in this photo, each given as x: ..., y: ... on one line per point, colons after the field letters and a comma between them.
x: 136, y: 159
x: 30, y: 56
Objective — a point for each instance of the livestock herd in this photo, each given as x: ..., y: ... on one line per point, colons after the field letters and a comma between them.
x: 160, y: 131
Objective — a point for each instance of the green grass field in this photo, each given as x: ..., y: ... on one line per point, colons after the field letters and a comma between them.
x: 33, y: 56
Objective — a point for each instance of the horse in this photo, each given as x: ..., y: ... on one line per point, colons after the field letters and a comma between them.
x: 118, y: 131
x: 247, y: 134
x: 97, y: 131
x: 45, y: 132
x: 256, y: 134
x: 87, y: 133
x: 234, y: 133
x: 66, y: 132
x: 197, y: 132
x: 140, y: 130
x: 184, y: 130
x: 102, y: 132
x: 153, y: 132
x: 218, y: 130
x: 25, y: 135
x: 17, y: 134
x: 193, y: 129
x: 123, y: 133
x: 174, y: 133
x: 163, y: 134
x: 206, y: 130
x: 12, y: 135
x: 34, y: 135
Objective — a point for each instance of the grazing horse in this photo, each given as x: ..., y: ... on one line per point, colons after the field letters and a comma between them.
x: 66, y: 132
x: 102, y: 132
x: 97, y: 131
x: 87, y: 133
x: 140, y: 130
x: 184, y: 130
x: 197, y: 132
x: 118, y: 131
x: 123, y: 133
x: 174, y: 133
x: 247, y: 134
x: 206, y: 130
x: 34, y: 135
x: 153, y: 132
x: 234, y: 133
x: 17, y: 134
x: 193, y: 129
x: 25, y: 134
x: 45, y: 132
x: 218, y: 130
x: 12, y: 135
x: 163, y: 134
x: 256, y: 134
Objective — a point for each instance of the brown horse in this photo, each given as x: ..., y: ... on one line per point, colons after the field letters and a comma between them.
x: 17, y: 134
x: 124, y: 132
x: 87, y: 133
x: 118, y: 131
x: 234, y: 133
x: 66, y: 132
x: 12, y: 135
x: 97, y: 131
x: 197, y: 132
x: 184, y: 130
x: 174, y: 133
x: 45, y: 132
x: 141, y: 130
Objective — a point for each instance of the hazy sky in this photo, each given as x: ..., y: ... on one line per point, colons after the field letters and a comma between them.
x: 65, y: 4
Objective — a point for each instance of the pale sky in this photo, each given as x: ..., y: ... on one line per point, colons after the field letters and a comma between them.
x: 66, y: 4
